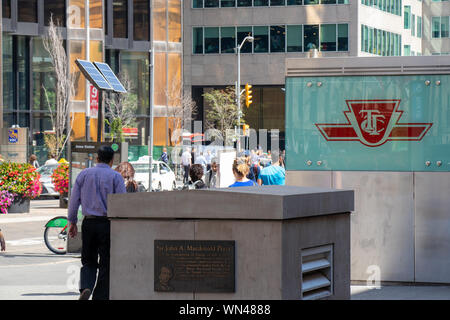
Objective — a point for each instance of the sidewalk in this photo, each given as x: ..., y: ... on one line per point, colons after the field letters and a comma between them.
x: 40, y: 210
x: 400, y: 292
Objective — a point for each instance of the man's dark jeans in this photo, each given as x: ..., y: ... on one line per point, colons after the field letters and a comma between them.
x: 96, y: 243
x: 186, y: 173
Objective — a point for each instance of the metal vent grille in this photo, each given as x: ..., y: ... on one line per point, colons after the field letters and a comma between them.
x: 317, y: 272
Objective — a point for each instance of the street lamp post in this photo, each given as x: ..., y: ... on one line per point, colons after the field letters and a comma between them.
x: 238, y: 88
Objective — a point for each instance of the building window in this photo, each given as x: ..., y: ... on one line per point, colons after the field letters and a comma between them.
x: 227, y: 3
x: 244, y: 3
x: 306, y: 2
x: 211, y: 3
x: 241, y: 33
x: 311, y: 37
x: 277, y: 38
x: 96, y: 14
x: 43, y: 77
x: 197, y: 39
x: 419, y: 27
x: 294, y: 38
x: 174, y: 20
x: 406, y: 50
x: 212, y: 40
x: 8, y: 72
x: 22, y: 71
x: 436, y: 27
x: 375, y: 41
x: 27, y: 11
x: 407, y: 17
x: 342, y: 37
x: 197, y: 4
x: 135, y: 65
x: 440, y: 27
x: 261, y: 35
x: 120, y: 19
x: 159, y: 23
x: 277, y: 2
x: 328, y: 37
x: 140, y: 20
x: 57, y: 9
x: 413, y: 25
x: 6, y: 9
x: 294, y: 2
x: 261, y: 3
x: 227, y: 39
x: 328, y: 1
x: 444, y: 27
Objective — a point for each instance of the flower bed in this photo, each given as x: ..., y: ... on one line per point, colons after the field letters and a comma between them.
x: 60, y: 178
x: 18, y: 181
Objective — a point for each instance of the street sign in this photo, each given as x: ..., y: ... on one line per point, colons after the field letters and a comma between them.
x: 94, y: 101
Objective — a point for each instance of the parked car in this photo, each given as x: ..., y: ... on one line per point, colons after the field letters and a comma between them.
x: 48, y: 189
x: 163, y: 177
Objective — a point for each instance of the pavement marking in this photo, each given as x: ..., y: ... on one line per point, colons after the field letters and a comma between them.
x: 27, y: 241
x: 37, y: 264
x: 26, y: 219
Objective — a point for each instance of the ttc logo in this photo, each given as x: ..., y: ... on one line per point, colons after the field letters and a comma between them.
x: 373, y: 123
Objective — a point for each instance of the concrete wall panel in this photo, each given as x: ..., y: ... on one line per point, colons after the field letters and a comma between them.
x: 382, y: 228
x: 432, y: 226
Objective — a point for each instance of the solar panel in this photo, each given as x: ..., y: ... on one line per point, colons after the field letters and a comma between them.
x: 93, y: 75
x: 110, y: 77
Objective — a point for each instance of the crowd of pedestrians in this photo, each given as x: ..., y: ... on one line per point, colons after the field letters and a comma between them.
x: 250, y: 168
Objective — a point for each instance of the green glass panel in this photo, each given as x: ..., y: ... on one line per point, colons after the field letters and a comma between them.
x: 444, y: 27
x: 342, y: 37
x: 294, y: 38
x: 212, y: 40
x: 367, y: 123
x: 407, y: 17
x: 328, y: 37
x: 197, y: 37
x: 261, y: 3
x: 436, y: 27
x: 261, y: 41
x: 228, y: 39
x: 243, y: 32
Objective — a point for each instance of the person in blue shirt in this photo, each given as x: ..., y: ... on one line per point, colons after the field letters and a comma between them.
x: 240, y: 171
x: 273, y: 174
x: 90, y: 190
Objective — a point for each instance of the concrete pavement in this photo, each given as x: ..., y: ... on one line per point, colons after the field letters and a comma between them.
x: 29, y: 271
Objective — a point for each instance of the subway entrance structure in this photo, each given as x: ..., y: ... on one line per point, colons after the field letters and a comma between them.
x: 379, y: 126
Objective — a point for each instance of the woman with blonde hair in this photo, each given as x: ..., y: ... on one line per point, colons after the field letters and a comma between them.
x: 240, y: 171
x: 127, y: 172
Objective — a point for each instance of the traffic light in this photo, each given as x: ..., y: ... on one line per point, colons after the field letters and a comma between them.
x: 248, y: 95
x: 245, y: 128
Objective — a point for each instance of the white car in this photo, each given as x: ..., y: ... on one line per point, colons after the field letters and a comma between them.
x: 163, y: 177
x: 48, y: 189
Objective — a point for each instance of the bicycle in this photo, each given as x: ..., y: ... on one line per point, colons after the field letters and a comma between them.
x: 55, y: 235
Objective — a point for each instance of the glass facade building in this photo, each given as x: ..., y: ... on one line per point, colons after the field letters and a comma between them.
x: 119, y: 35
x: 270, y: 39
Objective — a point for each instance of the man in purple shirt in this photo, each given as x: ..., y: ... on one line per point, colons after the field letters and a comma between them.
x: 91, y: 190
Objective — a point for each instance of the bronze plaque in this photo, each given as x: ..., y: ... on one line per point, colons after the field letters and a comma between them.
x: 194, y: 266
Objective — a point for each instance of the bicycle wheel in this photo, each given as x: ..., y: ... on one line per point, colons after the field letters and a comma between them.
x: 55, y: 235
